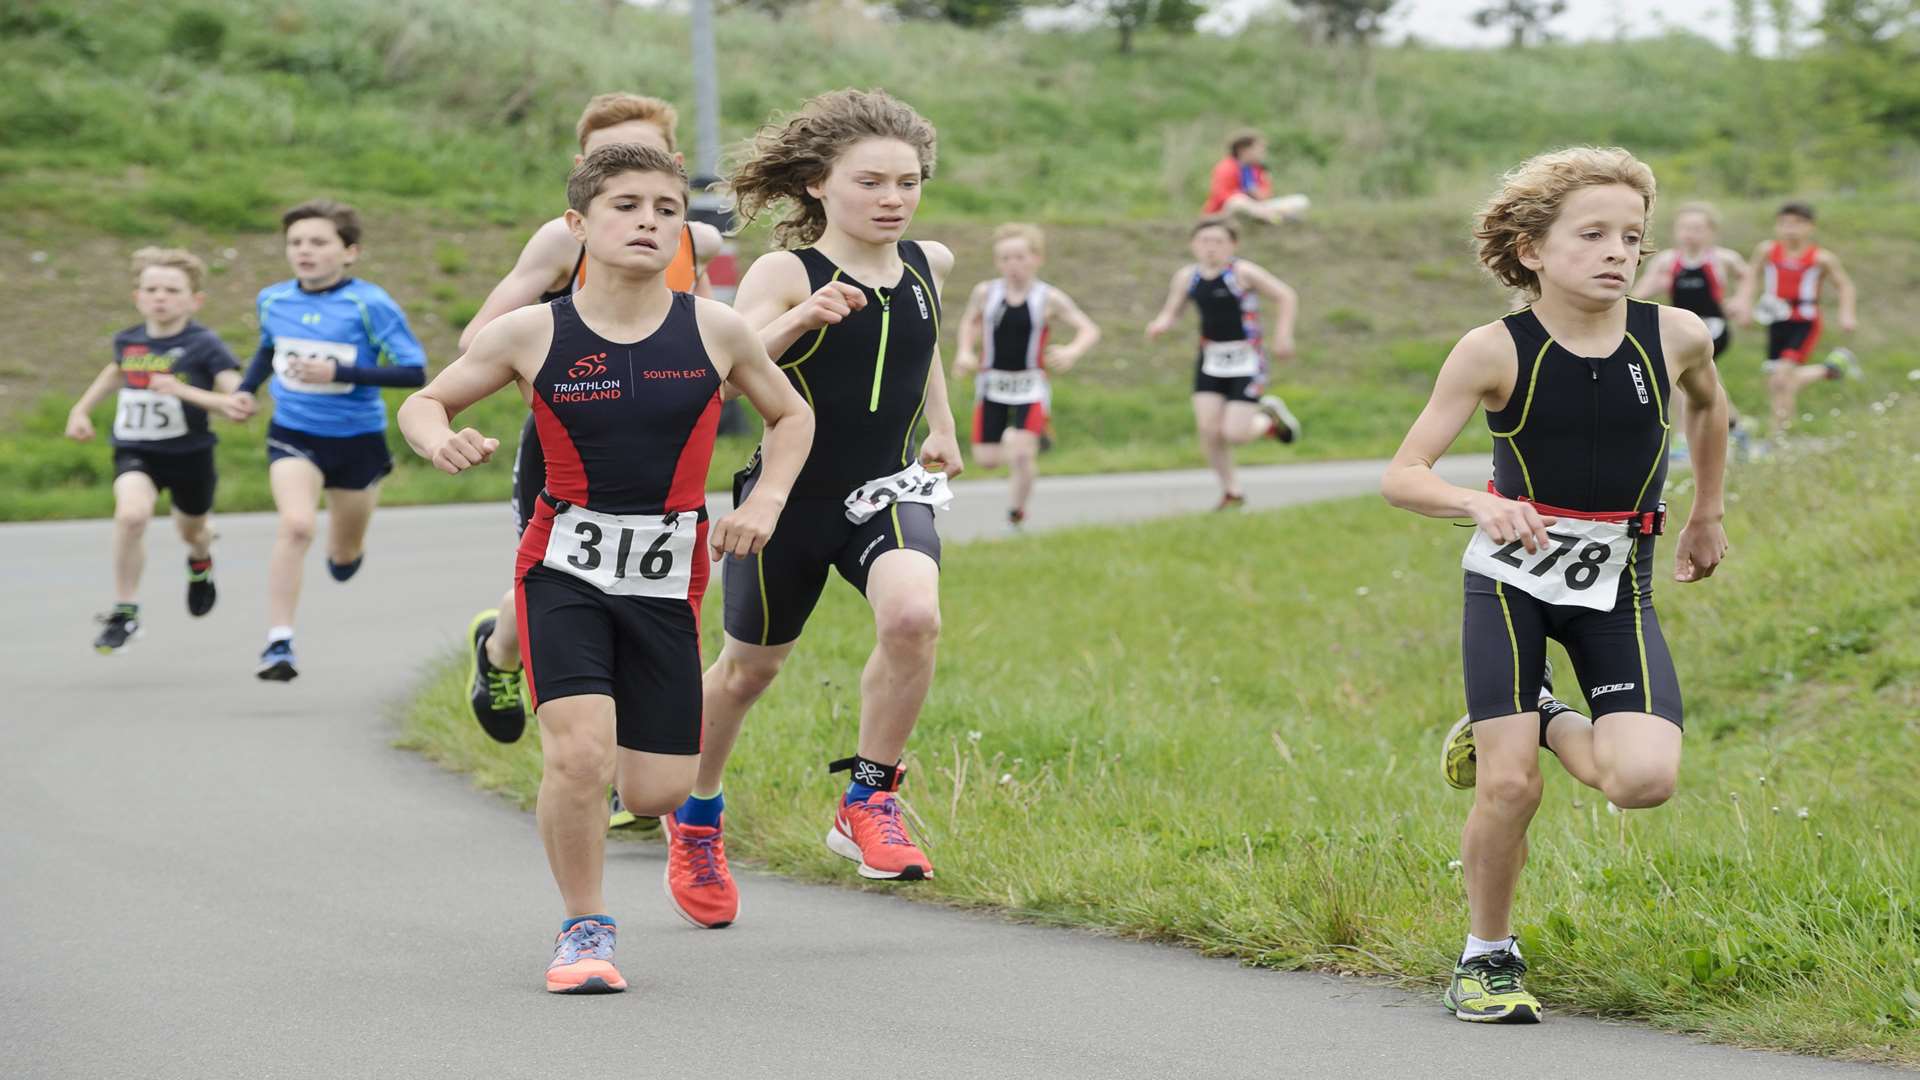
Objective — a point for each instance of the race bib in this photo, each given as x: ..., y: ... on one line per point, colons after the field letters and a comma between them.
x: 1229, y: 359
x: 1772, y: 309
x: 148, y: 416
x: 625, y: 555
x: 286, y: 350
x: 913, y: 484
x: 1015, y: 387
x: 1579, y: 568
x: 1715, y: 326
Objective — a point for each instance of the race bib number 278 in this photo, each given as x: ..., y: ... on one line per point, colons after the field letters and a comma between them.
x: 1579, y: 567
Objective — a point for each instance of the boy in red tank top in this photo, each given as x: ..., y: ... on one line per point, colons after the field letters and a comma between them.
x: 1794, y: 271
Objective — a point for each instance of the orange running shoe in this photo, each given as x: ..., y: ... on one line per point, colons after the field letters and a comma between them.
x: 873, y: 834
x: 583, y: 959
x: 697, y: 882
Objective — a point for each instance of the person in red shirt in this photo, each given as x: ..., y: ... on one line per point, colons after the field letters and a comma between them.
x: 1242, y: 185
x: 1792, y: 271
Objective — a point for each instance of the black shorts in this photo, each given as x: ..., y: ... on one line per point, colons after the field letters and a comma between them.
x: 1619, y: 656
x: 349, y: 463
x: 190, y: 476
x: 1722, y: 343
x: 992, y: 420
x: 1245, y: 388
x: 769, y: 596
x: 641, y: 651
x: 1792, y: 340
x: 529, y: 474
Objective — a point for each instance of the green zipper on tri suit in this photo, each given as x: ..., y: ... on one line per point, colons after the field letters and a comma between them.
x: 880, y: 359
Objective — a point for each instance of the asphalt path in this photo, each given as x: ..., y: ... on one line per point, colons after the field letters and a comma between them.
x: 202, y: 875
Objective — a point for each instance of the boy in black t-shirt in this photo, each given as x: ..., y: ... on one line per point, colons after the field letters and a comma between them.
x: 169, y: 371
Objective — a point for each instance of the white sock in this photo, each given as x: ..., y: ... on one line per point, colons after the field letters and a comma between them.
x: 279, y: 633
x: 1479, y: 947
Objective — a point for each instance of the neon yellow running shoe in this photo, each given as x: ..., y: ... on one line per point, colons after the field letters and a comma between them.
x: 1456, y: 754
x: 1487, y: 990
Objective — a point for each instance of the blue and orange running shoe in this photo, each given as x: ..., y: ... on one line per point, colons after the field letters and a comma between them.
x: 873, y: 834
x: 583, y: 958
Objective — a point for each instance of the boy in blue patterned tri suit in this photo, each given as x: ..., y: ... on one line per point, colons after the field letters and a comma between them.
x: 331, y: 342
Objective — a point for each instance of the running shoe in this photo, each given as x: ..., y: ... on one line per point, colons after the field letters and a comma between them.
x: 1016, y: 520
x: 619, y: 817
x: 1456, y: 755
x: 276, y: 662
x: 873, y: 834
x: 583, y: 960
x: 1286, y: 426
x: 200, y: 591
x: 1842, y: 364
x: 1487, y: 990
x: 1231, y: 502
x: 697, y: 882
x: 494, y: 693
x: 342, y: 571
x: 118, y: 627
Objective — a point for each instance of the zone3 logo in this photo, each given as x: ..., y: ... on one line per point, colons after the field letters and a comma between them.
x: 588, y: 366
x: 1639, y: 384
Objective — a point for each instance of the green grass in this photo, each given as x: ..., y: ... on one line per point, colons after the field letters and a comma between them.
x: 1232, y: 744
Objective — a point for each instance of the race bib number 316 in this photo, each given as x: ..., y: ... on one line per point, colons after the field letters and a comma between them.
x: 1579, y: 567
x: 625, y: 555
x: 286, y: 350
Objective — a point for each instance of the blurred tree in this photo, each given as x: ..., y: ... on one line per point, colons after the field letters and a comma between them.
x: 1525, y: 20
x: 1129, y: 17
x: 969, y: 13
x: 1357, y: 22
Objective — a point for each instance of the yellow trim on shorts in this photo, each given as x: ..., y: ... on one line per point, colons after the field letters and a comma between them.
x: 899, y: 536
x: 1639, y: 630
x: 766, y: 613
x: 1513, y: 641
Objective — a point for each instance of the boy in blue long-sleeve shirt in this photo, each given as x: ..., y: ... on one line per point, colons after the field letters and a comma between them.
x: 331, y: 342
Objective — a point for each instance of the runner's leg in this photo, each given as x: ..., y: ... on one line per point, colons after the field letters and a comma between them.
x: 196, y: 531
x: 296, y: 487
x: 1209, y: 411
x: 730, y: 687
x: 654, y: 785
x: 577, y: 764
x: 1493, y: 847
x: 1243, y: 422
x: 1023, y: 454
x: 349, y: 512
x: 503, y: 645
x: 133, y: 498
x: 904, y: 590
x: 1638, y: 756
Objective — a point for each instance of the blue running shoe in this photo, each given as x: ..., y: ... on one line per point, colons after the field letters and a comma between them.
x: 276, y: 663
x: 583, y: 958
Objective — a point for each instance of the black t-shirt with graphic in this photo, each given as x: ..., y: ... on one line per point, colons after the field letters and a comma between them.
x: 153, y: 422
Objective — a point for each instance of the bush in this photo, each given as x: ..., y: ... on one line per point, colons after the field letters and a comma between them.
x: 197, y: 34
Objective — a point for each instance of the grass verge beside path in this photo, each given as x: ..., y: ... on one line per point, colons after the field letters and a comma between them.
x: 1223, y: 732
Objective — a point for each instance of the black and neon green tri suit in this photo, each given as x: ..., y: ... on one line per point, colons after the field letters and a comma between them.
x: 866, y: 381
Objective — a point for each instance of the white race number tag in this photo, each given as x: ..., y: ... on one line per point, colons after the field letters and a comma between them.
x: 913, y: 484
x: 286, y: 350
x: 148, y: 416
x: 1580, y: 567
x: 1015, y: 387
x: 1772, y: 309
x: 625, y: 555
x: 1229, y: 359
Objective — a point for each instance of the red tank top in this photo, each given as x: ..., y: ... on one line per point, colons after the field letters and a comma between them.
x: 1795, y: 280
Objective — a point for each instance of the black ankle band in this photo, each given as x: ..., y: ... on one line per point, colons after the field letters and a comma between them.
x: 870, y: 772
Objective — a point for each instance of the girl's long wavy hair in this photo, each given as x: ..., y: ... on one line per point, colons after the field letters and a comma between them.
x: 1529, y: 200
x: 789, y: 155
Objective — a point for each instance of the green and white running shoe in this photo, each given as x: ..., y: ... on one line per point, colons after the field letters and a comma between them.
x: 1487, y: 990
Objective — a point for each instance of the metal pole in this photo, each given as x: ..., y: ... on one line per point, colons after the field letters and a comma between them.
x: 706, y: 92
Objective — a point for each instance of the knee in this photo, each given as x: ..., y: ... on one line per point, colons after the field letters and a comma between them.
x: 1511, y: 791
x: 1640, y: 788
x: 297, y: 528
x: 911, y: 626
x: 654, y: 800
x: 577, y: 762
x: 745, y: 679
x: 132, y: 520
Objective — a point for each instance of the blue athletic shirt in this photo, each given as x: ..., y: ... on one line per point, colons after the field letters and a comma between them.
x: 355, y: 324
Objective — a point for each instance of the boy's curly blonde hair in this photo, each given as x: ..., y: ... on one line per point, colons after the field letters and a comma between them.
x: 173, y: 259
x: 1531, y: 195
